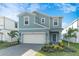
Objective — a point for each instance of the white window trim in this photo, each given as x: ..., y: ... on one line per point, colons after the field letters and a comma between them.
x: 24, y: 20
x: 42, y: 22
x: 57, y: 22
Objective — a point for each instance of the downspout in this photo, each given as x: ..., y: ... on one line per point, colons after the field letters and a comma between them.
x: 19, y: 33
x: 49, y: 32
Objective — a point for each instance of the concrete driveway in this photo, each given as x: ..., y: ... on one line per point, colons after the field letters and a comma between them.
x: 19, y: 50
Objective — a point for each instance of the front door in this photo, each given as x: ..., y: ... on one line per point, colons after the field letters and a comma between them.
x: 54, y: 38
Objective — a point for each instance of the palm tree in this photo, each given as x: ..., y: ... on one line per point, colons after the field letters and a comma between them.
x: 13, y: 34
x: 71, y: 33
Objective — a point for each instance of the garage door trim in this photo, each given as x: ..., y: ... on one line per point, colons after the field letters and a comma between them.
x: 36, y: 34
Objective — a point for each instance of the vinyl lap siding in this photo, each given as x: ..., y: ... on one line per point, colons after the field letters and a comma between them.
x: 31, y: 22
x: 9, y: 24
x: 59, y: 22
x: 38, y: 20
x: 1, y: 22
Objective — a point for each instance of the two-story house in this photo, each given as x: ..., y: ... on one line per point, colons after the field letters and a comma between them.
x: 74, y: 25
x: 38, y: 28
x: 6, y: 25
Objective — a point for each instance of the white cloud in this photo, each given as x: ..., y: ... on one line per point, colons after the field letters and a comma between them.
x: 12, y: 10
x: 34, y: 7
x: 66, y: 8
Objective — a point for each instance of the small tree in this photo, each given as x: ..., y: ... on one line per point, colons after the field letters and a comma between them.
x: 66, y: 37
x: 71, y: 33
x: 13, y: 34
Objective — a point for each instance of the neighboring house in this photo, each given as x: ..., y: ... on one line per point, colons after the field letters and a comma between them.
x: 6, y: 25
x: 75, y: 25
x: 38, y: 28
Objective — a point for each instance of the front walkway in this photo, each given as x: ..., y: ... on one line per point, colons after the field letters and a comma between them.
x: 20, y: 50
x: 30, y: 52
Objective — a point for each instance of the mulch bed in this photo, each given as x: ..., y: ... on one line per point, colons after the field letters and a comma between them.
x: 66, y: 49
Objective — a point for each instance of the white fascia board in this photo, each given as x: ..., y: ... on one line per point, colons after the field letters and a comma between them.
x: 31, y: 28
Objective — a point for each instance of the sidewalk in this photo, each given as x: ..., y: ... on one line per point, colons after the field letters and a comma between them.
x: 30, y: 52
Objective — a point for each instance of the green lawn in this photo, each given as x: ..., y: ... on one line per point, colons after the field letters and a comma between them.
x: 72, y: 45
x: 7, y: 44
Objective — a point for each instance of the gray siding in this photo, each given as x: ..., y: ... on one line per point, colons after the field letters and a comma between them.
x: 59, y: 23
x: 35, y: 30
x: 38, y: 19
x: 31, y: 22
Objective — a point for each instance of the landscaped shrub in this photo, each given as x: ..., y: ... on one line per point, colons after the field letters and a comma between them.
x: 50, y: 43
x: 61, y: 44
x: 44, y: 48
x: 52, y: 46
x: 56, y: 46
x: 60, y: 47
x: 18, y: 40
x: 13, y: 43
x: 2, y: 41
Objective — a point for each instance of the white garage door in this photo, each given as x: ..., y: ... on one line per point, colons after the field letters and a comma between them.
x: 38, y: 38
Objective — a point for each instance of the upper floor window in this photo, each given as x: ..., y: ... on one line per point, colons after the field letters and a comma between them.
x: 55, y: 22
x: 42, y: 20
x: 15, y: 25
x: 26, y: 20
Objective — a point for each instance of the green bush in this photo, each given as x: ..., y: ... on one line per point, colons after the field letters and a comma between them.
x: 2, y: 41
x: 61, y: 44
x: 56, y: 47
x: 44, y: 48
x: 53, y: 47
x: 50, y: 43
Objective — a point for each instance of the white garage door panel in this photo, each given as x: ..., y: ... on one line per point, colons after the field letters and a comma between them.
x: 38, y: 38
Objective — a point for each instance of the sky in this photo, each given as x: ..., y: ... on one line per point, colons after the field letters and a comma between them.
x: 69, y: 11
